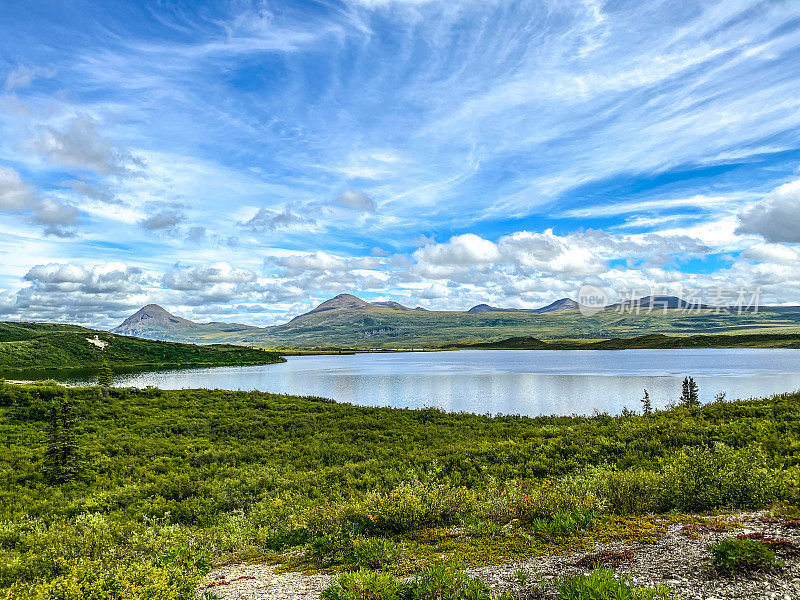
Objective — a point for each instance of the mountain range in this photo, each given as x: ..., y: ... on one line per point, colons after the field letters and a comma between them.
x: 349, y: 321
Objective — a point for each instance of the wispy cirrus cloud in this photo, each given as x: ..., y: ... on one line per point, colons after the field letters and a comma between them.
x: 499, y: 149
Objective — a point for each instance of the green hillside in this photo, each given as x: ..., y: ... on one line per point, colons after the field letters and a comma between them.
x: 28, y: 346
x: 379, y: 327
x: 650, y: 341
x: 170, y: 482
x: 385, y: 328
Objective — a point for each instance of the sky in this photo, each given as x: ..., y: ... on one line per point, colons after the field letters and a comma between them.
x: 243, y: 161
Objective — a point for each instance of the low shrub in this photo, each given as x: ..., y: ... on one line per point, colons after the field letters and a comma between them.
x: 631, y: 492
x: 548, y: 498
x: 408, y: 507
x: 365, y: 585
x: 700, y: 480
x: 440, y: 582
x: 96, y: 580
x: 446, y: 582
x: 602, y: 584
x: 736, y: 555
x: 374, y: 553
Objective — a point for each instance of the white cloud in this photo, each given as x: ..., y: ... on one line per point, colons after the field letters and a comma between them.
x: 200, y: 277
x: 356, y: 200
x: 776, y: 218
x: 22, y: 76
x: 19, y: 198
x: 316, y: 261
x: 15, y: 195
x: 165, y: 219
x: 466, y: 249
x: 77, y: 143
x: 269, y: 220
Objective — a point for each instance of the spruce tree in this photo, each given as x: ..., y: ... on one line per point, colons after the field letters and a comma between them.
x: 647, y: 407
x: 690, y: 395
x: 69, y: 444
x: 61, y: 463
x: 52, y: 455
x: 105, y: 377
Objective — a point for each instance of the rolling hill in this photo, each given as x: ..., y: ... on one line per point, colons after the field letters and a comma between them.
x: 349, y: 321
x: 25, y: 346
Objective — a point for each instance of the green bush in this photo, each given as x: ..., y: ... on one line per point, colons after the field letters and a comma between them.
x: 440, y: 582
x: 408, y: 507
x: 630, y: 492
x: 97, y: 580
x: 601, y: 584
x: 446, y: 582
x: 735, y: 555
x: 374, y: 553
x: 699, y: 479
x: 365, y: 585
x: 528, y: 503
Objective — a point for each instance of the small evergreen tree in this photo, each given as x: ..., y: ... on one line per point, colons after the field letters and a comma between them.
x: 105, y: 377
x: 70, y: 464
x: 52, y: 455
x: 61, y: 463
x: 690, y: 395
x: 647, y: 407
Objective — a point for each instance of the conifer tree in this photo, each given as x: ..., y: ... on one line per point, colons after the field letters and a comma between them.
x: 61, y: 463
x: 105, y: 377
x: 52, y: 455
x: 647, y: 407
x: 690, y: 395
x: 69, y: 444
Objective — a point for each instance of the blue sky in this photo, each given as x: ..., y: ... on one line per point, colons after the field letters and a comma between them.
x: 244, y: 160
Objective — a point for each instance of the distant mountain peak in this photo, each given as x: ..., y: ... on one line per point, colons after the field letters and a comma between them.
x: 558, y: 305
x: 151, y: 316
x: 339, y: 302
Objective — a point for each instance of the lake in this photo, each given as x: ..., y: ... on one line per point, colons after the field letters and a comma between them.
x: 527, y: 382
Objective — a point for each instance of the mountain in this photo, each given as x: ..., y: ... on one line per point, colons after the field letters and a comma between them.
x: 660, y: 303
x: 347, y: 321
x: 558, y: 305
x: 350, y: 302
x: 155, y: 323
x: 149, y: 318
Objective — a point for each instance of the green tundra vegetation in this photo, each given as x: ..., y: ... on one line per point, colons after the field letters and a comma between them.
x: 30, y: 346
x: 117, y: 493
x: 386, y: 328
x: 652, y: 341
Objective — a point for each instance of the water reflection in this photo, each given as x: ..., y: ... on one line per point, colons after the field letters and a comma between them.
x: 509, y: 382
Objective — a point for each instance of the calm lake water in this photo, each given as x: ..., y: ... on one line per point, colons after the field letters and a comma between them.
x: 524, y: 382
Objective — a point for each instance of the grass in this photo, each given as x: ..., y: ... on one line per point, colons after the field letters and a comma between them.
x: 172, y: 482
x: 40, y: 346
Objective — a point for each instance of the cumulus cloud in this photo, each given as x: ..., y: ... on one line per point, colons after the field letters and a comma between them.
x: 91, y: 295
x: 357, y: 200
x: 269, y: 220
x: 101, y: 193
x: 79, y: 144
x: 164, y: 219
x: 56, y: 217
x: 213, y: 278
x: 15, y: 195
x: 776, y: 218
x: 18, y: 197
x: 316, y: 261
x: 466, y: 249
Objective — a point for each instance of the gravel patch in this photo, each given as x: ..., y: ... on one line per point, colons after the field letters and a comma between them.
x: 678, y: 559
